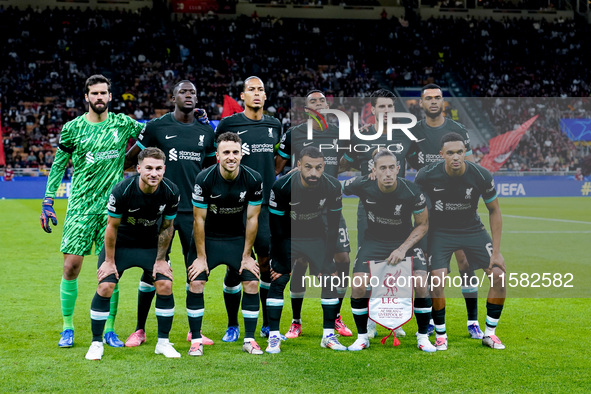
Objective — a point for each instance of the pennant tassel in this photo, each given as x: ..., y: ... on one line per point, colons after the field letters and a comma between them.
x: 395, y: 342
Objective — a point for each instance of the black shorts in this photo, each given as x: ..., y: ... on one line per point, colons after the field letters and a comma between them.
x: 476, y: 244
x: 343, y: 242
x: 263, y: 240
x: 374, y: 250
x: 281, y: 258
x: 227, y: 251
x: 310, y: 250
x: 131, y: 257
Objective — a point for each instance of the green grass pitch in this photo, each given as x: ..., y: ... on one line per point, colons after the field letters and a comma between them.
x: 545, y: 329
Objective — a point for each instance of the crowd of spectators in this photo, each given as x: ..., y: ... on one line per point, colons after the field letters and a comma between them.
x: 543, y: 5
x: 49, y: 53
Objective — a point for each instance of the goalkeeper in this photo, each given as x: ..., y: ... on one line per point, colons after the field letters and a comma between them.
x: 96, y: 143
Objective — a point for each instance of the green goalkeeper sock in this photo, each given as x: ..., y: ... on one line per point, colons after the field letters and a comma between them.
x: 68, y: 295
x: 110, y: 325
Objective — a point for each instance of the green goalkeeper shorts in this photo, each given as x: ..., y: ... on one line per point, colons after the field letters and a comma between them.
x: 81, y: 231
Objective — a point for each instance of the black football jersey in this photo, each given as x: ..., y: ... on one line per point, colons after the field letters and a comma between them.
x: 429, y: 141
x: 388, y: 214
x: 305, y: 206
x: 455, y: 199
x: 259, y: 139
x: 226, y: 201
x: 140, y: 212
x: 186, y: 145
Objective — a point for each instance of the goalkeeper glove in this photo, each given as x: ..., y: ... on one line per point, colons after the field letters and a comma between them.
x: 47, y: 213
x: 201, y: 116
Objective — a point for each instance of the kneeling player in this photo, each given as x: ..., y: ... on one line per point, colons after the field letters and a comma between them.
x: 389, y: 204
x: 454, y: 187
x: 132, y: 239
x: 296, y: 206
x: 221, y: 195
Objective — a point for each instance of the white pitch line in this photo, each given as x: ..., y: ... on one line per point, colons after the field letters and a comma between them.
x: 546, y: 232
x: 546, y: 219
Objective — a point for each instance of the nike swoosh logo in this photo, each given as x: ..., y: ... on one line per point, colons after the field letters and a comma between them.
x: 85, y: 140
x: 345, y: 245
x: 370, y: 202
x: 134, y: 210
x: 437, y: 190
x: 219, y: 195
x: 169, y: 136
x: 422, y: 139
x: 308, y: 143
x: 294, y: 203
x: 241, y: 132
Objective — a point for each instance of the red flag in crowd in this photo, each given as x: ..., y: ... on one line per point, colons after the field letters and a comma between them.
x: 366, y: 116
x: 501, y: 146
x: 230, y: 106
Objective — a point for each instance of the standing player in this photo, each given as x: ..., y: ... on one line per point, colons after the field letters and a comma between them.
x: 221, y: 196
x: 95, y: 142
x: 360, y: 153
x: 133, y: 239
x: 189, y: 146
x: 298, y: 203
x: 259, y: 134
x: 389, y: 203
x: 454, y: 187
x: 429, y: 133
x: 360, y: 156
x: 326, y: 139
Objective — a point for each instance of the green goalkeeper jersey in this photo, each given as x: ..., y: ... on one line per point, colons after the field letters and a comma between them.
x: 97, y: 151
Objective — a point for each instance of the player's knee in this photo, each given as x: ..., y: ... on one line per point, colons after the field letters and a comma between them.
x: 438, y: 292
x: 359, y: 286
x: 250, y: 286
x: 72, y: 266
x: 163, y: 287
x: 420, y: 284
x: 278, y: 286
x: 437, y: 283
x: 496, y: 275
x: 197, y: 286
x: 297, y: 284
x: 358, y: 292
x: 438, y: 278
x: 105, y: 289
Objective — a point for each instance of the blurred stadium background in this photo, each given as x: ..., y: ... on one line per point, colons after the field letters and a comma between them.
x: 500, y: 63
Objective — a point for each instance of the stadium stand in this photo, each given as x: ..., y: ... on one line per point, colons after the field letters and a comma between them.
x: 49, y: 52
